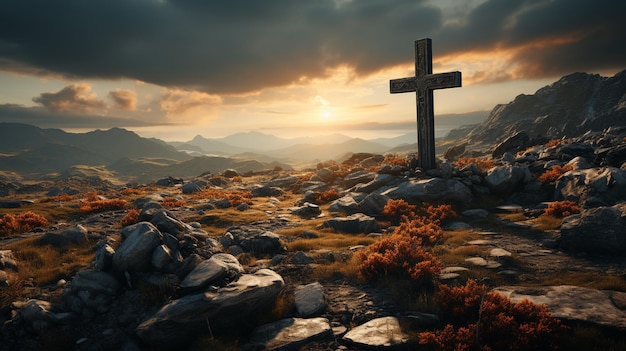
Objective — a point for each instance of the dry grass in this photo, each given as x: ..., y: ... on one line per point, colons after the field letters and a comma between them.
x: 334, y: 241
x: 46, y: 264
x: 545, y: 222
x: 348, y: 270
x: 583, y: 279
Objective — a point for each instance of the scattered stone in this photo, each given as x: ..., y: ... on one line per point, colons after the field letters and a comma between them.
x: 574, y: 303
x: 480, y: 242
x: 219, y: 266
x: 301, y: 258
x: 599, y: 230
x: 307, y: 210
x: 135, y: 252
x: 430, y: 190
x: 477, y: 261
x: 191, y: 188
x: 310, y: 299
x: 497, y: 252
x: 355, y: 224
x: 379, y: 332
x: 288, y: 334
x: 346, y: 205
x: 373, y: 204
x: 507, y: 179
x: 266, y: 191
x: 184, y: 318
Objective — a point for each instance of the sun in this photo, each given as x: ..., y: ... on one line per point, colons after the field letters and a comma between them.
x: 326, y: 115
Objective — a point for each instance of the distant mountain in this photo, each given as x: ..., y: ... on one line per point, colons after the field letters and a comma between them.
x: 329, y: 151
x: 32, y: 150
x: 213, y: 146
x: 573, y: 105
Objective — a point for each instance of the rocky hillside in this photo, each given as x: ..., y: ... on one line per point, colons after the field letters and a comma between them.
x: 575, y: 104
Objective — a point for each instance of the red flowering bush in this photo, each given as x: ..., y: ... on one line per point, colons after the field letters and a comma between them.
x: 481, y: 320
x: 394, y: 210
x: 554, y: 173
x: 400, y: 256
x: 24, y: 222
x: 130, y: 218
x: 426, y: 231
x: 561, y: 209
x: 398, y: 210
x: 326, y: 197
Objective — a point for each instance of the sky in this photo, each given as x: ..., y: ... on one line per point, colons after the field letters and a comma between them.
x: 173, y: 69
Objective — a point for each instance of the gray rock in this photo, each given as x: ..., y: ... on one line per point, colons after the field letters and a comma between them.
x: 161, y: 256
x: 574, y: 303
x: 289, y: 334
x: 219, y: 266
x: 230, y: 173
x: 266, y: 191
x: 599, y: 230
x: 378, y: 182
x: 235, y: 250
x: 475, y: 213
x: 227, y: 307
x: 359, y: 177
x: 506, y: 179
x: 514, y: 143
x: 381, y: 332
x: 283, y: 183
x: 96, y: 282
x: 7, y: 260
x: 165, y: 222
x: 104, y: 257
x: 430, y: 190
x: 607, y: 184
x: 310, y: 299
x: 301, y: 258
x: 135, y: 252
x: 346, y: 205
x: 39, y: 313
x: 373, y: 204
x: 354, y: 224
x: 191, y: 188
x: 307, y: 210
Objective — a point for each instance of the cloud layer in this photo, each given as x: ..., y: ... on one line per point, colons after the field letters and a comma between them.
x: 225, y: 47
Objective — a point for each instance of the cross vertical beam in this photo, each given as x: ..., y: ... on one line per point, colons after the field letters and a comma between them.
x: 423, y: 85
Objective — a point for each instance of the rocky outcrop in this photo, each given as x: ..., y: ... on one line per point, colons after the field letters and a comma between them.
x: 574, y: 303
x: 600, y: 230
x: 430, y: 190
x: 383, y: 332
x: 226, y: 307
x: 288, y: 334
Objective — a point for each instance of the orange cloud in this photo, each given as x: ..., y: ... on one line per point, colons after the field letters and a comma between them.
x: 180, y: 102
x: 124, y: 99
x: 75, y: 97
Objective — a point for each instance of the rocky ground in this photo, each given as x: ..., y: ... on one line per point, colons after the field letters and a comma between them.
x: 205, y: 275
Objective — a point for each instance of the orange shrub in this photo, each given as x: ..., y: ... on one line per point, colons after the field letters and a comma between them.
x: 438, y: 214
x: 553, y: 142
x: 131, y: 191
x: 400, y: 256
x: 395, y: 160
x: 481, y: 320
x: 130, y: 218
x: 394, y: 210
x: 103, y: 205
x: 91, y: 196
x: 427, y: 232
x: 20, y: 223
x: 171, y: 202
x: 554, y: 173
x: 561, y: 209
x: 326, y: 197
x: 483, y: 164
x: 234, y: 197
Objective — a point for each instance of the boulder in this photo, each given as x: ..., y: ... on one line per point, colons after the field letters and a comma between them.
x: 380, y: 332
x: 38, y: 314
x: 378, y: 182
x: 514, y: 143
x: 289, y: 334
x: 161, y: 256
x: 283, y: 182
x: 266, y: 191
x: 373, y: 204
x: 600, y: 230
x: 219, y: 266
x: 430, y: 190
x: 601, y: 307
x: 230, y: 173
x: 185, y: 318
x: 507, y: 179
x: 96, y: 282
x: 310, y: 299
x: 135, y: 252
x: 307, y: 210
x: 354, y: 224
x: 346, y: 205
x: 454, y: 151
x: 165, y: 222
x: 605, y: 184
x: 191, y: 188
x: 74, y: 236
x: 358, y: 177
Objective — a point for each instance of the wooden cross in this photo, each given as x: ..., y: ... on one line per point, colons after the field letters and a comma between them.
x: 423, y: 85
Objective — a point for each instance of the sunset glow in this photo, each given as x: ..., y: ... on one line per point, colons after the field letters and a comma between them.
x: 318, y: 68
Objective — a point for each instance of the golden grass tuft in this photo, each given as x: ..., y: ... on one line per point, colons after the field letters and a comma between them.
x: 335, y: 241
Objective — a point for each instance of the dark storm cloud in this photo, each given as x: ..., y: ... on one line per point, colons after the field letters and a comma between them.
x: 242, y: 46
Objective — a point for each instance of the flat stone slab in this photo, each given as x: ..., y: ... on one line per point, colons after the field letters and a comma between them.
x: 379, y: 332
x: 453, y: 269
x: 499, y: 253
x: 477, y: 261
x: 602, y: 307
x: 289, y: 334
x: 310, y: 299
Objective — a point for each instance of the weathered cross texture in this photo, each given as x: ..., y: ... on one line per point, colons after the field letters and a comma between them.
x: 423, y: 85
